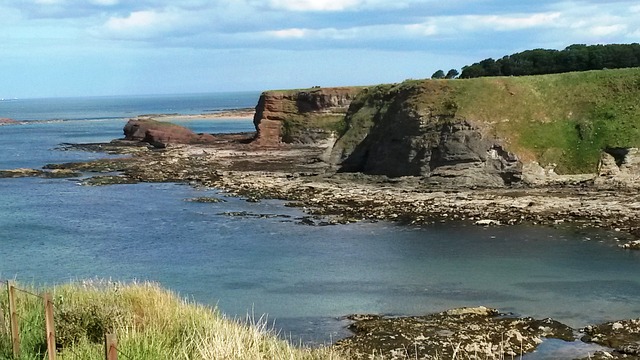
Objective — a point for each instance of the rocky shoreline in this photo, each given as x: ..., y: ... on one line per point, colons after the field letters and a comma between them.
x: 300, y: 175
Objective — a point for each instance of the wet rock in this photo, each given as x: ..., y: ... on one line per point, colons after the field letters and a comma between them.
x: 458, y: 333
x: 113, y: 147
x: 108, y: 180
x: 631, y: 245
x: 486, y: 222
x: 253, y: 215
x: 60, y: 174
x: 16, y: 173
x: 207, y: 199
x: 622, y: 336
x: 52, y: 174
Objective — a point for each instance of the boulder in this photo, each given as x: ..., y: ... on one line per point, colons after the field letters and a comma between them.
x: 160, y: 134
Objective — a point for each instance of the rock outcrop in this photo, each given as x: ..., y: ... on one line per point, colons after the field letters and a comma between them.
x: 7, y: 121
x: 457, y: 333
x: 301, y: 116
x: 389, y: 133
x: 160, y: 134
x: 619, y: 167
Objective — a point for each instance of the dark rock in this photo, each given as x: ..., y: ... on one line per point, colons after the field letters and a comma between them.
x: 623, y: 336
x: 458, y: 333
x: 160, y: 134
x: 53, y: 174
x: 17, y: 173
x: 108, y: 180
x: 390, y: 133
x: 206, y: 199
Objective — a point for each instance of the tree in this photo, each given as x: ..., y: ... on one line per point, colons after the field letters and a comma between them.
x: 451, y: 74
x: 577, y: 57
x: 438, y: 75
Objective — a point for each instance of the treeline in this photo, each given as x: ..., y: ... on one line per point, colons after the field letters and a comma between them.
x: 578, y: 57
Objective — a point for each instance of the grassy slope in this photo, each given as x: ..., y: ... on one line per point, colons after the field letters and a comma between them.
x: 150, y: 323
x: 564, y: 119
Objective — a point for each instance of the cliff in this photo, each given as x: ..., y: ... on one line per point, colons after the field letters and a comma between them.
x: 301, y: 116
x: 497, y: 131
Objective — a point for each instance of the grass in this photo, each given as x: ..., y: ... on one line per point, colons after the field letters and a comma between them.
x: 150, y: 323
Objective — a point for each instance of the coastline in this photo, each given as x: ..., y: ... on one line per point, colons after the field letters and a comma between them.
x: 234, y: 114
x: 300, y: 175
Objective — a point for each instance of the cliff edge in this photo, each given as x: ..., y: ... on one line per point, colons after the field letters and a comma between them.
x: 571, y: 128
x: 552, y: 129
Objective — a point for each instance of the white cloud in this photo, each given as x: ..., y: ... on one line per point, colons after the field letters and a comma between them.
x: 607, y: 30
x: 424, y: 29
x: 143, y: 24
x: 338, y: 5
x: 49, y: 2
x: 289, y: 33
x: 516, y: 22
x: 105, y: 2
x: 314, y: 5
x: 468, y: 24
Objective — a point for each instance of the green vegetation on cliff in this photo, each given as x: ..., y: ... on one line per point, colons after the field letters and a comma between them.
x: 563, y: 119
x: 150, y: 323
x: 576, y: 57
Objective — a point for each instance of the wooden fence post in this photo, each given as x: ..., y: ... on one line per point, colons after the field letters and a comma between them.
x: 50, y: 327
x: 13, y: 320
x: 110, y: 347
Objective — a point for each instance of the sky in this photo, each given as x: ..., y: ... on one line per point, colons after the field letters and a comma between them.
x: 51, y: 48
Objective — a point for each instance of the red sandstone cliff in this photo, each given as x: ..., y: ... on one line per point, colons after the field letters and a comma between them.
x: 301, y: 116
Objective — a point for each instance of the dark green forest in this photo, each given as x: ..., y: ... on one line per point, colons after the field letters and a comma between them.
x: 578, y: 57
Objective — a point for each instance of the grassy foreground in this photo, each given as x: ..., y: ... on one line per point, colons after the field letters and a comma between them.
x: 149, y: 321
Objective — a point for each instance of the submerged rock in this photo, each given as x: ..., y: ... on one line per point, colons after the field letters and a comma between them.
x: 478, y: 332
x: 50, y: 174
x: 206, y: 199
x: 631, y: 245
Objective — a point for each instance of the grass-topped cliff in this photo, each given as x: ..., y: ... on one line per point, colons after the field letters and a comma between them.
x: 564, y: 119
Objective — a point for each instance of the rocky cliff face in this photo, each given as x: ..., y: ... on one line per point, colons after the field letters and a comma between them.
x: 412, y: 131
x: 301, y: 116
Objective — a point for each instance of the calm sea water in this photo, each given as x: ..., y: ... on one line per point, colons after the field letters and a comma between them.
x: 305, y: 278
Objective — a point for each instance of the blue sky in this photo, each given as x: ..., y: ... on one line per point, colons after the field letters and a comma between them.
x: 117, y: 47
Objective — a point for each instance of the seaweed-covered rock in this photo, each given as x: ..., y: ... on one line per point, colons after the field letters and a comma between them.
x: 480, y: 332
x: 623, y: 336
x: 52, y: 174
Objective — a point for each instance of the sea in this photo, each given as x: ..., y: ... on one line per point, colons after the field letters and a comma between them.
x: 303, y: 279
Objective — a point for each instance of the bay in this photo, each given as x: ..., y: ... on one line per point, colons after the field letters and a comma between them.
x: 305, y: 278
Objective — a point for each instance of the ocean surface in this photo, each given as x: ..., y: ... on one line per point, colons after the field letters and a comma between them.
x: 305, y: 278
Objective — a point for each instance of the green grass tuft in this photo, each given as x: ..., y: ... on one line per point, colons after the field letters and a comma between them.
x: 150, y: 323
